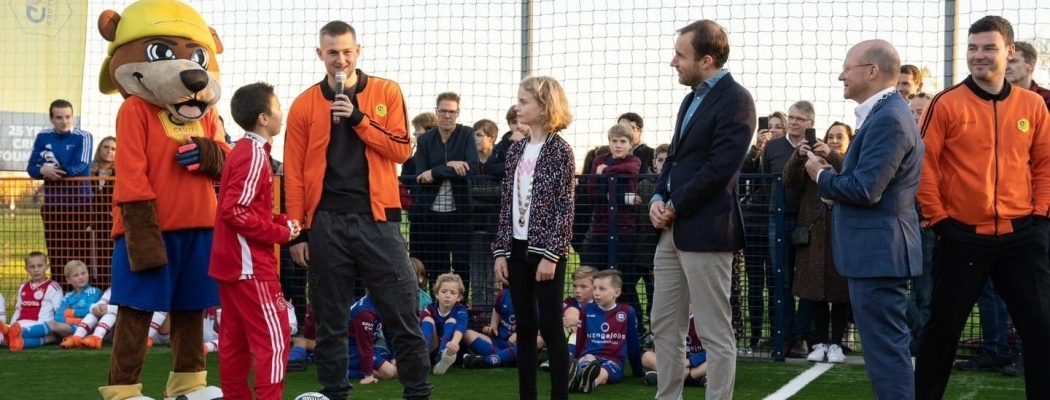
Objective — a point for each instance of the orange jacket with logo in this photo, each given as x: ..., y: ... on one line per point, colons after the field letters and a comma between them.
x: 383, y: 129
x: 987, y: 157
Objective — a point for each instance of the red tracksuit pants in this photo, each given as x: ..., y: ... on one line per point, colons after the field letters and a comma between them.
x: 254, y: 324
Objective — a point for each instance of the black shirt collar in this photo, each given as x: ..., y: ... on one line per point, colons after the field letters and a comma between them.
x: 984, y: 95
x: 329, y: 94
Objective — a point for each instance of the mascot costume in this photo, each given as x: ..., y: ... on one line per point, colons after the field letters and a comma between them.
x: 161, y: 59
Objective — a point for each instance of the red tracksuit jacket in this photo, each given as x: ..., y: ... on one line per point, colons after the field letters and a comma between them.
x: 245, y: 226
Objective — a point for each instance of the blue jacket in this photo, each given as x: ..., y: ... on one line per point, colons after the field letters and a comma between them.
x: 70, y: 151
x: 874, y: 196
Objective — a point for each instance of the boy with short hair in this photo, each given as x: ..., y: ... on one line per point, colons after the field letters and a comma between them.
x: 38, y: 298
x: 243, y: 260
x: 618, y: 161
x: 446, y: 320
x: 582, y: 294
x: 75, y: 305
x: 608, y: 333
x: 495, y: 344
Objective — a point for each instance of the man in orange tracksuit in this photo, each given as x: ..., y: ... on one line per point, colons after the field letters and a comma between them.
x: 340, y: 155
x: 985, y: 189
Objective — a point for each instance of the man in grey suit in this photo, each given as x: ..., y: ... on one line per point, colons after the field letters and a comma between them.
x: 695, y: 206
x: 874, y: 202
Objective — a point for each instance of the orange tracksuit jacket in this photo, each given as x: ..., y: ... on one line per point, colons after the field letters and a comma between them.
x: 987, y: 157
x: 384, y: 130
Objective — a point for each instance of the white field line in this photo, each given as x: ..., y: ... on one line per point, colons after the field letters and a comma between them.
x: 800, y: 382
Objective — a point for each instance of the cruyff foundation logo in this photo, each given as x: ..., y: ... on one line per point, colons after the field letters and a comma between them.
x: 41, y: 17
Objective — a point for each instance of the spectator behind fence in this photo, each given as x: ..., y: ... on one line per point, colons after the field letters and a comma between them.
x: 38, y: 300
x: 535, y: 227
x: 497, y: 165
x: 989, y: 224
x: 646, y: 235
x: 874, y: 195
x: 242, y: 258
x: 485, y: 198
x: 101, y: 213
x: 816, y: 278
x: 1020, y: 68
x: 407, y: 186
x: 445, y: 156
x: 61, y: 152
x: 638, y: 149
x: 610, y: 193
x: 909, y: 81
x: 340, y: 154
x: 921, y: 285
x: 696, y: 207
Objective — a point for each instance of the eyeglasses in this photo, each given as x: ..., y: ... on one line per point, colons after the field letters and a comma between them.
x: 798, y: 119
x: 846, y: 70
x: 920, y: 95
x: 448, y: 113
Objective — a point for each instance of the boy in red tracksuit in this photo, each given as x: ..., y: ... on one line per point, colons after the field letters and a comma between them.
x: 243, y: 261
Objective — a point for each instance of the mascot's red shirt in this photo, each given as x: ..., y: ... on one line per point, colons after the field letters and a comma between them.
x: 149, y: 140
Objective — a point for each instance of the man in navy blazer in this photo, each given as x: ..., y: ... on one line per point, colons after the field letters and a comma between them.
x: 695, y: 205
x: 875, y: 235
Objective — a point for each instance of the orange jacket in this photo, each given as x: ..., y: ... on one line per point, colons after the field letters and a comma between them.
x: 384, y: 130
x: 987, y: 157
x: 149, y: 170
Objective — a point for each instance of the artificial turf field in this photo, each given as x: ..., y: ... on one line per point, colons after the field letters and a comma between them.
x: 54, y: 373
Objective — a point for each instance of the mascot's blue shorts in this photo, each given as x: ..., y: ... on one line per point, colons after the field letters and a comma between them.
x: 182, y: 285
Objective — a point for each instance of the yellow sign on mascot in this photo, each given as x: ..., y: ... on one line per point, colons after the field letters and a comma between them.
x: 162, y: 60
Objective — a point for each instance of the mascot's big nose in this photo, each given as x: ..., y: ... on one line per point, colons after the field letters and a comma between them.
x: 194, y: 79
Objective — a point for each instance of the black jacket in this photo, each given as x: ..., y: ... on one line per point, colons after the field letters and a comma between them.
x: 432, y: 154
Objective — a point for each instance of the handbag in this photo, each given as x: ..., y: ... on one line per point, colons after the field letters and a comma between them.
x: 800, y: 237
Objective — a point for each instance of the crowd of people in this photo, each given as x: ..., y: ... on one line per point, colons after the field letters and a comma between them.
x: 909, y: 199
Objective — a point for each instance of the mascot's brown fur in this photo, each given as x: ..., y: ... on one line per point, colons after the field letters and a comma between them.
x: 162, y: 61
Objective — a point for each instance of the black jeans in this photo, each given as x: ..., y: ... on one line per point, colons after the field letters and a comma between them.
x: 963, y: 261
x: 526, y: 293
x: 341, y: 247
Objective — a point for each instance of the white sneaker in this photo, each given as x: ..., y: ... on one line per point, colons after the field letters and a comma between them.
x: 446, y: 361
x: 819, y: 351
x: 545, y: 366
x: 835, y: 355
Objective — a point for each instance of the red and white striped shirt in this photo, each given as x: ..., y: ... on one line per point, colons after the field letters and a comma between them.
x: 245, y: 227
x: 37, y: 301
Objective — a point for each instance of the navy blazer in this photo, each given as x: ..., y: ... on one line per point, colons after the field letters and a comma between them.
x: 875, y: 229
x: 702, y: 166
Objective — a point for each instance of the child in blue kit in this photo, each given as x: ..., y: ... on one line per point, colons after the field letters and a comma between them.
x: 695, y: 360
x: 446, y: 320
x: 496, y: 344
x: 607, y: 335
x: 368, y: 362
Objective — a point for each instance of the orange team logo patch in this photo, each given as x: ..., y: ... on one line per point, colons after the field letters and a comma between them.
x: 1023, y: 125
x: 178, y: 131
x: 381, y: 110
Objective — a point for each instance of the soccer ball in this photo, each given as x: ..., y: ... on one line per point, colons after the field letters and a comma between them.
x: 311, y: 396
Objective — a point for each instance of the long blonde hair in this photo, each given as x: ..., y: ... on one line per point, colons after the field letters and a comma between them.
x: 549, y: 93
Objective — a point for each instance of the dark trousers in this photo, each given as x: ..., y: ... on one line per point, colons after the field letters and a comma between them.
x: 444, y: 246
x: 829, y: 315
x: 921, y: 288
x: 526, y: 295
x: 963, y: 261
x: 341, y: 247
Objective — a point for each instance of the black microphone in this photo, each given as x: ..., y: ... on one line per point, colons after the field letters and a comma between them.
x: 340, y: 80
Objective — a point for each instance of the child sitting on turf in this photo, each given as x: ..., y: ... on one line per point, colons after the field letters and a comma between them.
x: 421, y: 275
x: 368, y: 362
x: 100, y: 321
x: 495, y: 345
x: 608, y: 333
x: 75, y: 305
x: 3, y: 318
x: 38, y: 298
x: 582, y: 293
x: 695, y: 360
x: 303, y: 345
x: 445, y: 321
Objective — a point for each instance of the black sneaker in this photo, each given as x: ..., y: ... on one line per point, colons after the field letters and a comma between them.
x: 798, y: 349
x: 650, y: 378
x: 699, y: 382
x: 474, y: 362
x: 1016, y: 367
x: 584, y: 381
x: 984, y: 362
